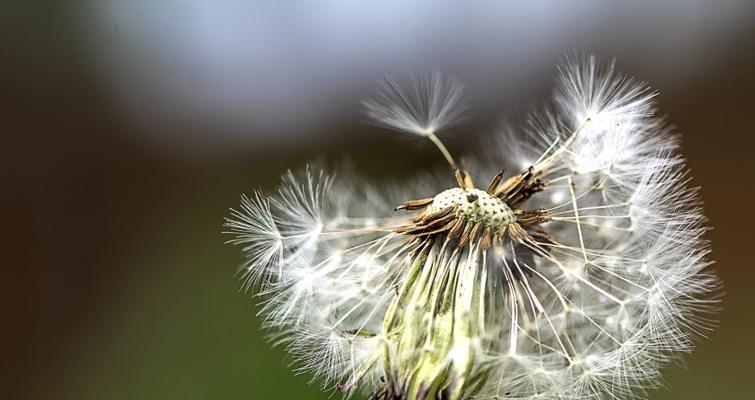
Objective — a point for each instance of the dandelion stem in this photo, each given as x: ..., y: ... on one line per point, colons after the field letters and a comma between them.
x: 433, y: 138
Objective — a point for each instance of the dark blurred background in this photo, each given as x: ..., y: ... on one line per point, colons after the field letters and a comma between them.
x: 130, y: 127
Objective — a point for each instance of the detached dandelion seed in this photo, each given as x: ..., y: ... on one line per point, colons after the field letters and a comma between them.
x: 578, y: 277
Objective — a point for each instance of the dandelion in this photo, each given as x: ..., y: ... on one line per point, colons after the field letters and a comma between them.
x: 580, y: 275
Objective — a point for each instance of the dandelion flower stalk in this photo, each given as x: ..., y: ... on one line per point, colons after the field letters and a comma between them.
x: 578, y: 276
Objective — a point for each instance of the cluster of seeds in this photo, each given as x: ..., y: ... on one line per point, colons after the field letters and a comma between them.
x: 579, y: 277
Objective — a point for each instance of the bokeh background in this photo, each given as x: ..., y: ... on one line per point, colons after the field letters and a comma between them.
x: 130, y: 127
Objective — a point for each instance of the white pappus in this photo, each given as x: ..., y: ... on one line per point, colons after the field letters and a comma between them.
x: 579, y: 274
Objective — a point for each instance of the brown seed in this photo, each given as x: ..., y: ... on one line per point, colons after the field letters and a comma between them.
x: 415, y: 204
x: 494, y: 183
x: 457, y: 228
x: 485, y: 240
x: 443, y: 228
x: 465, y: 235
x: 460, y: 179
x: 473, y: 233
x: 468, y: 182
x: 517, y: 232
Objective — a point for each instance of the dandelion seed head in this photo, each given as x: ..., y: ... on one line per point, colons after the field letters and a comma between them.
x: 581, y: 272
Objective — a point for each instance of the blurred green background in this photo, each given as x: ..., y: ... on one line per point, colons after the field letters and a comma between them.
x: 130, y: 128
